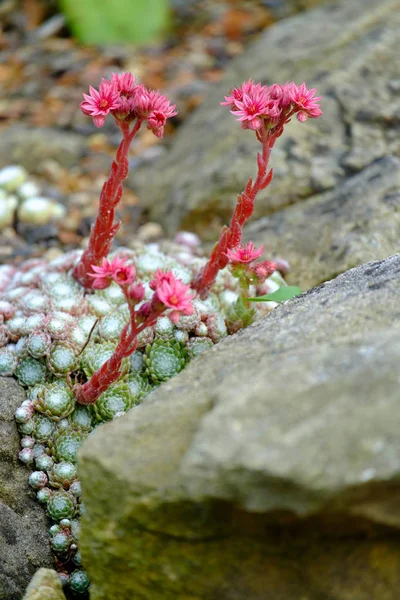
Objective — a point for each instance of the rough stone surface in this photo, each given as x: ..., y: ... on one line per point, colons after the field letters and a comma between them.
x: 269, y: 468
x: 284, y: 8
x: 45, y: 585
x: 348, y: 51
x: 24, y: 545
x: 31, y: 148
x: 337, y: 230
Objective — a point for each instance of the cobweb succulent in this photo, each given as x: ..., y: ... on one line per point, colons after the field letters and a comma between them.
x: 92, y: 333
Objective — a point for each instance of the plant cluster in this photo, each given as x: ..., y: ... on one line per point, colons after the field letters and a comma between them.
x: 92, y: 333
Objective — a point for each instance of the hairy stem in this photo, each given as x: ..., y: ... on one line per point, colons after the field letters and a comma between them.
x: 231, y: 236
x: 104, y: 229
x: 110, y: 371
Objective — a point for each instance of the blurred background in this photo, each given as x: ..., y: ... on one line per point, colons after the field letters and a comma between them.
x: 51, y: 50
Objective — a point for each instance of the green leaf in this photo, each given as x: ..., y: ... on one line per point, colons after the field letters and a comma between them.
x: 116, y: 21
x: 284, y: 293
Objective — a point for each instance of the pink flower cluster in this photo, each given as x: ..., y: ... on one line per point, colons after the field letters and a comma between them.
x: 172, y: 293
x: 169, y: 292
x: 258, y: 106
x: 127, y: 100
x: 116, y: 270
x: 241, y: 259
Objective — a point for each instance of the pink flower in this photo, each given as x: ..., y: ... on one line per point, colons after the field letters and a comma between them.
x: 117, y: 270
x: 141, y: 101
x: 237, y: 93
x: 255, y: 105
x: 174, y: 294
x: 136, y: 293
x: 244, y: 254
x: 124, y: 109
x: 304, y: 101
x: 98, y: 104
x: 264, y: 270
x: 160, y: 277
x: 123, y: 83
x: 160, y: 110
x: 124, y: 275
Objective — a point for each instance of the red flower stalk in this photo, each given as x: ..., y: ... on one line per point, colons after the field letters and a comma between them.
x: 131, y: 105
x: 169, y: 293
x: 265, y: 110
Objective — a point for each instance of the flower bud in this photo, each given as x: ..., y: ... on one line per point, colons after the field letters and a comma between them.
x: 136, y: 293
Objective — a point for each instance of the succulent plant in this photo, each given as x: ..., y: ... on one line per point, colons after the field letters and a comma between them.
x: 44, y: 462
x: 55, y: 402
x: 24, y: 412
x: 44, y: 495
x: 16, y: 327
x: 35, y: 301
x: 8, y: 362
x: 62, y: 358
x: 26, y: 456
x: 164, y: 329
x: 38, y: 480
x: 30, y: 372
x: 53, y: 334
x: 164, y: 360
x: 79, y: 581
x: 115, y: 400
x: 61, y: 505
x: 45, y: 428
x: 61, y: 542
x: 110, y: 327
x: 137, y: 365
x: 139, y: 386
x: 66, y: 443
x: 197, y: 345
x: 63, y: 474
x: 240, y: 315
x: 82, y: 417
x: 38, y: 343
x: 95, y: 355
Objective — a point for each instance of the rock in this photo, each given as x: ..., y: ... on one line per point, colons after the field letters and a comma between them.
x: 337, y: 230
x: 348, y: 51
x: 32, y: 147
x: 269, y: 468
x: 29, y: 189
x: 8, y: 205
x: 45, y: 585
x: 39, y: 210
x: 12, y: 177
x: 24, y: 543
x: 284, y: 8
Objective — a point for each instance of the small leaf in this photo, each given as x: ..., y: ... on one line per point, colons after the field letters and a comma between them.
x: 284, y: 293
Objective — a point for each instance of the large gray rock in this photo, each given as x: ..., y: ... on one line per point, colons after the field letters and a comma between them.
x: 337, y: 230
x: 349, y: 52
x: 284, y: 8
x: 24, y: 544
x: 269, y: 468
x: 31, y: 148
